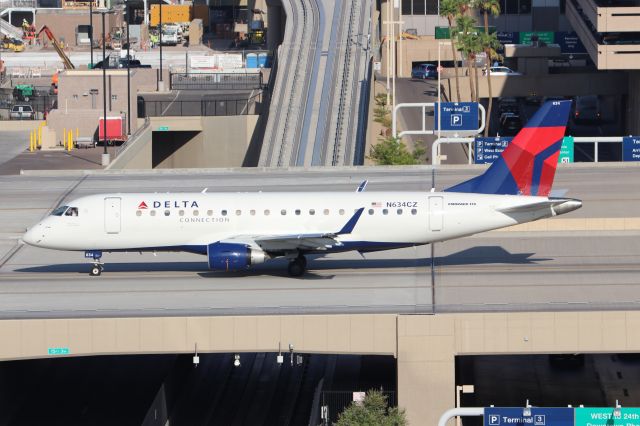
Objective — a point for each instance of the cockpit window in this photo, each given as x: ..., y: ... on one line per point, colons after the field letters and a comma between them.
x: 59, y: 211
x: 73, y: 211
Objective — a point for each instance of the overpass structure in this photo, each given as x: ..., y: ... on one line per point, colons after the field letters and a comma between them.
x: 556, y: 286
x: 316, y: 114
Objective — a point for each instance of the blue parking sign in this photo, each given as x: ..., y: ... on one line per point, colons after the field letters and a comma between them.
x: 509, y: 416
x: 457, y: 116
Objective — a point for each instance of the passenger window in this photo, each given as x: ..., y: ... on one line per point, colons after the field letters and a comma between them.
x: 414, y: 212
x: 73, y: 211
x: 399, y: 212
x: 152, y: 212
x: 385, y: 211
x: 59, y: 211
x: 297, y: 212
x: 266, y: 212
x: 139, y: 213
x: 238, y: 212
x: 312, y: 212
x: 252, y: 212
x: 167, y: 212
x: 370, y: 211
x: 181, y: 212
x: 341, y: 211
x: 283, y: 212
x: 224, y: 212
x: 196, y: 212
x: 326, y: 212
x: 209, y: 212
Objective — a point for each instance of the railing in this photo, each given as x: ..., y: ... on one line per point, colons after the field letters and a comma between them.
x: 134, y: 135
x: 203, y: 107
x: 215, y: 81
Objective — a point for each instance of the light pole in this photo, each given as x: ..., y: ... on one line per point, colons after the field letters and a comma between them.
x: 160, y: 39
x: 91, y: 30
x: 126, y: 15
x: 440, y: 43
x: 462, y: 389
x: 105, y: 154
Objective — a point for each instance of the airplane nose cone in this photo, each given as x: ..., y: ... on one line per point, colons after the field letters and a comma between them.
x: 568, y: 206
x: 34, y: 235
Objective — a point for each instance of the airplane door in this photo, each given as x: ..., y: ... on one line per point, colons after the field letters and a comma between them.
x: 436, y: 219
x: 112, y: 215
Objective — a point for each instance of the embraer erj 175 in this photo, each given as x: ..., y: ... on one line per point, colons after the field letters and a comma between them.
x: 236, y: 231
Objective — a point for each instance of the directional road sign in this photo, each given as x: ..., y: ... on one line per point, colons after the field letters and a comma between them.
x: 631, y: 148
x: 457, y: 116
x: 511, y: 416
x: 605, y: 416
x: 488, y: 150
x: 566, y: 150
x: 58, y: 351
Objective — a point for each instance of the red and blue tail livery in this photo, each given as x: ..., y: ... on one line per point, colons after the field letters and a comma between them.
x: 528, y: 165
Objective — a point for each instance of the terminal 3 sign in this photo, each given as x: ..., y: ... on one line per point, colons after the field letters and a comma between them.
x: 560, y: 416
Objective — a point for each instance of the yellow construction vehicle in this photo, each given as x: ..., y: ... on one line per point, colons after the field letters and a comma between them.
x: 68, y: 65
x: 13, y: 44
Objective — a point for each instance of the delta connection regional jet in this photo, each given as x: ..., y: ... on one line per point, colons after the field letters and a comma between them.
x: 236, y: 231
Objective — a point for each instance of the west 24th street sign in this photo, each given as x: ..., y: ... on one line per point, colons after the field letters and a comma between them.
x: 457, y: 116
x: 498, y: 416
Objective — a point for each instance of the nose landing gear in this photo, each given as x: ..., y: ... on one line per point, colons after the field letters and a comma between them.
x: 97, y: 267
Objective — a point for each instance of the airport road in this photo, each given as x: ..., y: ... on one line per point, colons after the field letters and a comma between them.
x: 490, y: 272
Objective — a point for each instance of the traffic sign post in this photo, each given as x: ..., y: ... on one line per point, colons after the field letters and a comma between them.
x: 511, y: 416
x: 489, y: 150
x: 605, y: 416
x: 457, y: 116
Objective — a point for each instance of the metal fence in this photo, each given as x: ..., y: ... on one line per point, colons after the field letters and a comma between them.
x: 41, y: 105
x: 203, y: 107
x: 336, y: 401
x: 215, y: 81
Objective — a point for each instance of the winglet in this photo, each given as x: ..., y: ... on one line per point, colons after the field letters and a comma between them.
x: 362, y: 186
x: 348, y: 227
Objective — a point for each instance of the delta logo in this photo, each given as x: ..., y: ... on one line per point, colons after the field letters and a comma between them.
x: 142, y: 206
x: 169, y: 204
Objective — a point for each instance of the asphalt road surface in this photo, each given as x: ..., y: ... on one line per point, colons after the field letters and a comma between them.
x: 496, y: 271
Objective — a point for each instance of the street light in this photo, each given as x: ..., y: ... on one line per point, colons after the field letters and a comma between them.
x: 91, y: 30
x: 462, y: 389
x: 160, y: 38
x: 105, y: 154
x: 126, y: 16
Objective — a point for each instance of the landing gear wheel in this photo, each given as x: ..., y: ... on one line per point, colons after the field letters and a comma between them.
x: 96, y: 270
x: 297, y: 267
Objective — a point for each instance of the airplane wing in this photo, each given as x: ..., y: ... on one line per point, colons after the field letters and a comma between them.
x: 304, y: 242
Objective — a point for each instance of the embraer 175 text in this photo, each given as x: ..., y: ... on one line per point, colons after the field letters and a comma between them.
x: 236, y: 231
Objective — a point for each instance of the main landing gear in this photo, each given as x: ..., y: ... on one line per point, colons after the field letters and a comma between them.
x: 96, y: 269
x: 297, y: 266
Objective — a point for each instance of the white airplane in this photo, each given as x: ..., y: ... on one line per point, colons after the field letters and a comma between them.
x: 236, y: 231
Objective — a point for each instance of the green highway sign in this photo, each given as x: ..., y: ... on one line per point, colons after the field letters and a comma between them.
x: 604, y: 416
x: 58, y: 351
x: 546, y: 36
x: 566, y: 150
x: 163, y: 128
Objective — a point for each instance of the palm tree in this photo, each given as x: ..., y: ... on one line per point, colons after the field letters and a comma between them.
x: 452, y: 9
x: 488, y: 7
x: 468, y: 44
x: 490, y: 45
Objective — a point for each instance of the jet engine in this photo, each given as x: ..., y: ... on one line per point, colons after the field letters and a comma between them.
x: 233, y: 257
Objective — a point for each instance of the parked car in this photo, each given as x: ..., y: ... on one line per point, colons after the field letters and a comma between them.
x: 510, y: 124
x: 587, y: 109
x: 22, y: 112
x: 170, y: 37
x: 122, y: 63
x: 501, y: 71
x: 424, y: 71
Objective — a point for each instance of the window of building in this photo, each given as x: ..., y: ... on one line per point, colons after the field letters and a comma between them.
x: 406, y: 7
x: 432, y: 7
x: 418, y: 7
x: 525, y: 6
x: 512, y: 7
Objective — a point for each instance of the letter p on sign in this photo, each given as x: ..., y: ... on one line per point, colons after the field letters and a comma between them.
x: 456, y: 120
x: 494, y: 419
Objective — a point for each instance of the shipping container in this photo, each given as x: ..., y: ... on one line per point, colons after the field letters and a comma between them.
x: 171, y: 14
x: 116, y: 131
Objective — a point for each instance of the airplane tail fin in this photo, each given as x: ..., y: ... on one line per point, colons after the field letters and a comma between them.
x: 528, y: 164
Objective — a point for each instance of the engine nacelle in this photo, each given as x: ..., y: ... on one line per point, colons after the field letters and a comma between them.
x: 233, y: 257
